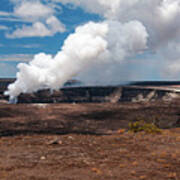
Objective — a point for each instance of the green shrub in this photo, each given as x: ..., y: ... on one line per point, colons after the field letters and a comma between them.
x: 139, y: 126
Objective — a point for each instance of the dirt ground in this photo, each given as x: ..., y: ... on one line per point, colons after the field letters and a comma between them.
x: 89, y: 141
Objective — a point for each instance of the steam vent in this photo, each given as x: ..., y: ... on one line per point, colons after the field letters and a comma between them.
x: 74, y: 92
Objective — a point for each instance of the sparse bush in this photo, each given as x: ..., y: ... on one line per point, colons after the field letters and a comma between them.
x: 139, y: 126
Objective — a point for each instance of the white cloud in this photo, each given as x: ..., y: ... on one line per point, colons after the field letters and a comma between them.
x: 32, y: 10
x: 12, y: 19
x: 30, y: 46
x: 3, y: 13
x: 38, y: 29
x: 9, y: 16
x: 27, y: 46
x: 16, y: 57
x: 55, y: 25
x: 41, y: 16
x: 3, y: 27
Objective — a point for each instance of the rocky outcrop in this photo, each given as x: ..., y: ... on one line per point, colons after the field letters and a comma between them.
x: 139, y: 94
x: 153, y: 96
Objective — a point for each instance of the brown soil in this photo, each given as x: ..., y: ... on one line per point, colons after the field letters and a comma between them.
x: 88, y: 141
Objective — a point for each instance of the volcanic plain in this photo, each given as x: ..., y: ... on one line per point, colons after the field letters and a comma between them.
x: 89, y: 141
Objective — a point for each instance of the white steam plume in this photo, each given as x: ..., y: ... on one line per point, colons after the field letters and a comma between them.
x: 92, y: 43
x: 160, y: 17
x: 131, y: 27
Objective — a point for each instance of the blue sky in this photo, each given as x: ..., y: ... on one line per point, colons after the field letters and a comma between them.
x: 19, y: 37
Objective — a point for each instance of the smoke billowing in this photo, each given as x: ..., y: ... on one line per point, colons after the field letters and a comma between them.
x: 131, y: 28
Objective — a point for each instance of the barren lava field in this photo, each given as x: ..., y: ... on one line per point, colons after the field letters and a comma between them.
x: 89, y: 141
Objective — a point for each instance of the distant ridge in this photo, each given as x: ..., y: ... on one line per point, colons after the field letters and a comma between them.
x: 154, y: 83
x: 4, y: 82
